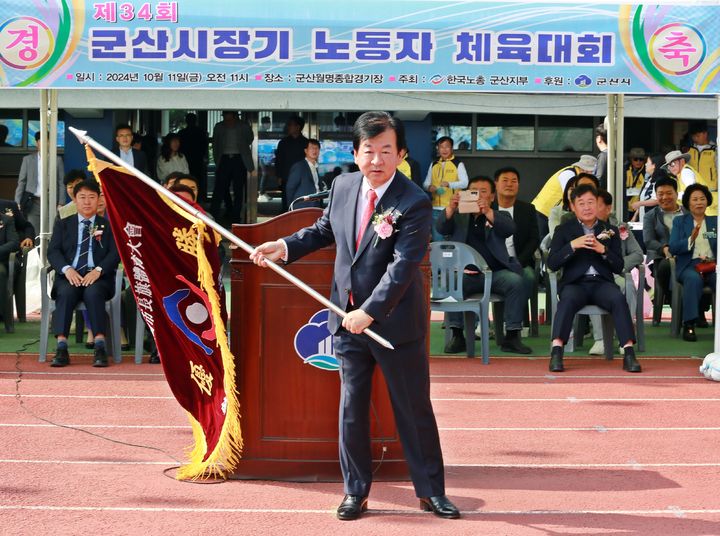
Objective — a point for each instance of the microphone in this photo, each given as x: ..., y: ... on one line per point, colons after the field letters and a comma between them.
x: 311, y: 197
x: 315, y: 196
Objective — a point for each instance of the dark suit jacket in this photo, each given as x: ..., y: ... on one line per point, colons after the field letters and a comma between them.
x: 526, y: 236
x: 23, y: 227
x: 384, y: 274
x: 681, y: 231
x: 576, y: 263
x: 456, y: 229
x: 63, y: 246
x: 655, y: 234
x: 9, y: 241
x: 299, y: 183
x: 139, y: 159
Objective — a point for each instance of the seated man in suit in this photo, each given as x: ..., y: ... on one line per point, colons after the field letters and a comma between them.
x: 9, y: 242
x: 84, y: 256
x: 72, y: 178
x: 486, y: 231
x: 657, y: 226
x: 303, y: 177
x: 588, y: 250
x: 25, y: 229
x: 523, y: 243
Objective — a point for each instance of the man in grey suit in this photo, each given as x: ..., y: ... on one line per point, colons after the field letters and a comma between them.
x: 486, y: 230
x: 27, y: 193
x: 232, y: 141
x: 657, y: 225
x: 303, y: 178
x: 380, y: 223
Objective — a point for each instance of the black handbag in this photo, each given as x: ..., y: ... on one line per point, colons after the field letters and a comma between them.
x: 26, y: 202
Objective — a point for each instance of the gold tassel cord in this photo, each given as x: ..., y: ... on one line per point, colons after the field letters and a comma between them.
x: 227, y: 452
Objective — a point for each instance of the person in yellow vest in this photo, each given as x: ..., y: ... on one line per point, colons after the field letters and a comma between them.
x: 410, y: 168
x: 446, y: 175
x: 676, y: 163
x: 552, y: 192
x: 703, y: 154
x: 634, y: 178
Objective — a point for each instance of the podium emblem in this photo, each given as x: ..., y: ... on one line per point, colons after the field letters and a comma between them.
x: 314, y: 343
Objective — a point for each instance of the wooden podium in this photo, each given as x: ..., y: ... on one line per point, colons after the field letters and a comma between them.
x: 289, y: 408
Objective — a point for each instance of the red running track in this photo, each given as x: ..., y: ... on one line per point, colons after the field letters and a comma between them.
x: 591, y: 451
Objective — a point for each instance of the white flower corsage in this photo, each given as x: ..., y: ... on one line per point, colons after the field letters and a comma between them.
x: 606, y: 234
x: 96, y: 231
x: 384, y: 224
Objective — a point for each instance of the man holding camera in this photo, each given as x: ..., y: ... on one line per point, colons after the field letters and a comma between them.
x: 470, y: 218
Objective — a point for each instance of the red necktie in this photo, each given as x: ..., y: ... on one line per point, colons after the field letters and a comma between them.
x: 369, y: 211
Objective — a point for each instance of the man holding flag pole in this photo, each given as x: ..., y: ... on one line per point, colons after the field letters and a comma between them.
x: 380, y: 223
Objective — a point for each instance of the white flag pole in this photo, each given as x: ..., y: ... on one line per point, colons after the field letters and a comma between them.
x: 85, y: 139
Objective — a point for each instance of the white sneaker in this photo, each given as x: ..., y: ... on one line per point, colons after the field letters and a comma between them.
x: 478, y: 332
x: 598, y: 348
x: 264, y: 198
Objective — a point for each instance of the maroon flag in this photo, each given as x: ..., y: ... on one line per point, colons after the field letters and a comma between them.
x: 171, y: 259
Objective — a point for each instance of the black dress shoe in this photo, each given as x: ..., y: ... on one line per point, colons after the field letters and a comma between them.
x: 352, y: 507
x: 61, y: 359
x: 513, y: 344
x: 441, y: 506
x: 630, y: 363
x: 154, y: 358
x: 689, y: 333
x: 556, y: 359
x: 101, y: 359
x: 456, y: 345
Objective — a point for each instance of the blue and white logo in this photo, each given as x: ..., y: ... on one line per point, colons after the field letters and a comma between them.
x: 314, y: 343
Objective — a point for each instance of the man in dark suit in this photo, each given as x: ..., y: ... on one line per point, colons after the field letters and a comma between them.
x: 84, y: 256
x: 24, y: 229
x: 289, y: 150
x: 303, y: 177
x: 377, y: 280
x: 589, y: 252
x: 525, y: 240
x: 9, y: 242
x: 486, y: 230
x: 657, y: 225
x: 125, y: 150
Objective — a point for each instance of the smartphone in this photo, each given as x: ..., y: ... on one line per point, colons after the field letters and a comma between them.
x: 468, y: 202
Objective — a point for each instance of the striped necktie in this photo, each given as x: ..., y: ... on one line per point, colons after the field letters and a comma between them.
x: 82, y: 264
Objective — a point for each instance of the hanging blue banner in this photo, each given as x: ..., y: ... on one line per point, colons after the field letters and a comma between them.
x: 404, y: 45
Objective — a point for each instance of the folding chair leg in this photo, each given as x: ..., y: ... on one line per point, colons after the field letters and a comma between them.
x: 484, y: 335
x: 469, y: 318
x: 608, y: 339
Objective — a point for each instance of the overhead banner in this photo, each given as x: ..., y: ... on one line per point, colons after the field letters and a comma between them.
x: 403, y: 45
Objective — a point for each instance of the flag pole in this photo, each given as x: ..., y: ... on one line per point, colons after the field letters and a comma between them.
x: 83, y: 138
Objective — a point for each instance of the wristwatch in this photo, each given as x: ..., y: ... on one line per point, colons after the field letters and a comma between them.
x: 98, y: 269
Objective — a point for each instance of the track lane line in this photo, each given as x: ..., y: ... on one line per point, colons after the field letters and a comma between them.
x: 670, y: 511
x: 571, y: 399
